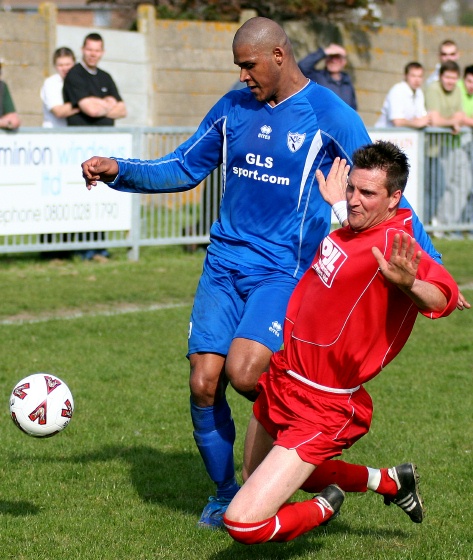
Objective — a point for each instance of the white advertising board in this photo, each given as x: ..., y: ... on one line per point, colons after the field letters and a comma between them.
x: 408, y: 141
x: 42, y: 189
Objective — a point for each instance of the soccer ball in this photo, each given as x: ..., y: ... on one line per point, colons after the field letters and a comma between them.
x: 41, y: 405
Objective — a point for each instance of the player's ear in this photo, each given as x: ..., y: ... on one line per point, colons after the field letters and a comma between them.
x: 278, y: 54
x: 395, y: 199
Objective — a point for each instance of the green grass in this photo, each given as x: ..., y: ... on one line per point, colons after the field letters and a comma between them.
x: 125, y: 481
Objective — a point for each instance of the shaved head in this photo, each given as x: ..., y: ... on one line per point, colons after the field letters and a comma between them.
x: 262, y: 33
x: 264, y: 54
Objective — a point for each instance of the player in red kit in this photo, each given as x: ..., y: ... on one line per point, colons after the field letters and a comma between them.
x: 349, y: 316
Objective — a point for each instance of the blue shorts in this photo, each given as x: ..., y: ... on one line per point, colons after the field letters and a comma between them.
x: 234, y: 301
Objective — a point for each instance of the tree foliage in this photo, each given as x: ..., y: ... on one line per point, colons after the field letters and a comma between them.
x: 279, y: 10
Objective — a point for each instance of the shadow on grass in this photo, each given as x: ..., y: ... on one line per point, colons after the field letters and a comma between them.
x: 178, y: 481
x: 17, y: 509
x: 174, y: 480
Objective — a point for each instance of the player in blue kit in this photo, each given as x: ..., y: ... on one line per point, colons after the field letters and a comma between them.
x: 269, y: 138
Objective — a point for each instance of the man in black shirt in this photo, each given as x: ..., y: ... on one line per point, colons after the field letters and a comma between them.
x: 92, y: 90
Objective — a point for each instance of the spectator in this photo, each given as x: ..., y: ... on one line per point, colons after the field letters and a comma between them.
x: 448, y: 50
x: 443, y: 98
x: 55, y: 111
x: 466, y: 87
x: 449, y: 169
x: 9, y: 118
x: 95, y: 94
x: 405, y: 104
x: 92, y: 90
x: 332, y: 75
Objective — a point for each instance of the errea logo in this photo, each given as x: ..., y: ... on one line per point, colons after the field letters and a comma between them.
x: 265, y: 132
x: 275, y: 328
x: 330, y: 261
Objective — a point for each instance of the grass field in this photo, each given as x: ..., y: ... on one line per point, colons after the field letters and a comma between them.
x: 124, y: 480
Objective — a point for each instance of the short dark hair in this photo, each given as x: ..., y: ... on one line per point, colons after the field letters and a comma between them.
x: 412, y: 66
x: 92, y: 37
x: 63, y: 51
x: 389, y: 158
x: 449, y: 66
x: 468, y: 70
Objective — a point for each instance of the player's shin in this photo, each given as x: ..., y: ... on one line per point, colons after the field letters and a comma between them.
x: 350, y: 478
x: 214, y: 434
x: 291, y: 521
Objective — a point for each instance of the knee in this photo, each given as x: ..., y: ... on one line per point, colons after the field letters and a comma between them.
x: 248, y: 533
x: 203, y: 389
x: 243, y: 377
x: 205, y: 383
x: 245, y: 363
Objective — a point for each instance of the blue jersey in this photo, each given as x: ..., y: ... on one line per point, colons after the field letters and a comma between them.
x: 272, y: 215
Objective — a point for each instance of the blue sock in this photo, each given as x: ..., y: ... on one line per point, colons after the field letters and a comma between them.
x: 214, y: 434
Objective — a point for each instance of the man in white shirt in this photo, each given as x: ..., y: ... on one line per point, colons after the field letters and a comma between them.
x: 55, y: 110
x: 404, y: 104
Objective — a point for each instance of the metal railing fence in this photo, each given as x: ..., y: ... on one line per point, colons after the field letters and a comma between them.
x: 447, y: 190
x: 446, y: 198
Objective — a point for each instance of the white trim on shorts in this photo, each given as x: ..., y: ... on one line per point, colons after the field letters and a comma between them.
x: 321, y: 387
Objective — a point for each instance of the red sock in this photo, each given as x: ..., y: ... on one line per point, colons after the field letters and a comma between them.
x: 387, y: 486
x: 291, y: 521
x: 351, y: 478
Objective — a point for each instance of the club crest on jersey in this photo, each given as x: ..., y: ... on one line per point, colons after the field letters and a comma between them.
x: 265, y: 132
x: 330, y: 261
x: 295, y: 141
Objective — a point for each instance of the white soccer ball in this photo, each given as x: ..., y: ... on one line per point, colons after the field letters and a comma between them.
x: 41, y: 405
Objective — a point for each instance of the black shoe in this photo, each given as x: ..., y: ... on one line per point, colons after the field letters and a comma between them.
x: 331, y: 498
x: 408, y: 496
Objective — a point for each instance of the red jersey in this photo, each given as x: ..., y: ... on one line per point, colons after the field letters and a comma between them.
x: 345, y: 321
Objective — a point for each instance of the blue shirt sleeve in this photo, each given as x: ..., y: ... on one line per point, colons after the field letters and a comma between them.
x: 420, y: 234
x: 183, y: 169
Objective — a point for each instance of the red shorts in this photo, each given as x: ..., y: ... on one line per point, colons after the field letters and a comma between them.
x: 317, y: 424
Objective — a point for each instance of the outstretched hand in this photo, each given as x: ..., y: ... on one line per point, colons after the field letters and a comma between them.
x: 463, y: 303
x: 333, y: 189
x: 401, y: 269
x: 99, y: 169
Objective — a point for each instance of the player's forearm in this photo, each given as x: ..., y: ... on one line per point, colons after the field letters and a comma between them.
x: 141, y: 176
x: 426, y: 296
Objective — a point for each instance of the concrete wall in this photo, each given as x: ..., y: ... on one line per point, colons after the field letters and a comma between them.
x: 126, y: 59
x: 171, y: 72
x: 25, y: 42
x: 192, y: 67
